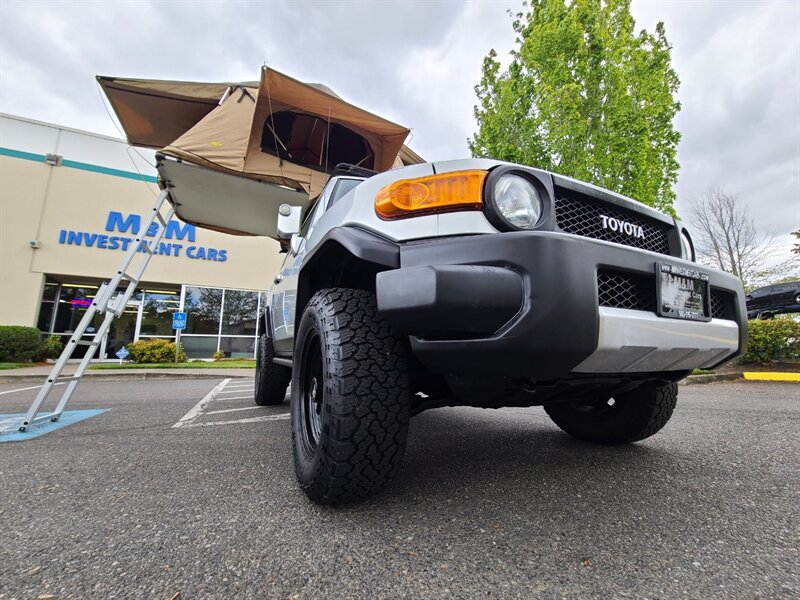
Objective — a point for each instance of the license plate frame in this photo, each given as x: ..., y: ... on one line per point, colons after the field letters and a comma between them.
x: 677, y: 290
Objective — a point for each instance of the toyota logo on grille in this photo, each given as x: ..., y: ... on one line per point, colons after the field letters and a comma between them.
x: 620, y: 226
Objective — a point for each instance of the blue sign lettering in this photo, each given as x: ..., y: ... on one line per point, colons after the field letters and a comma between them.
x: 131, y: 224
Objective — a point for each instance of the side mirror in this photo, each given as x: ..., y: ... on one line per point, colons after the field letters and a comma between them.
x: 289, y: 221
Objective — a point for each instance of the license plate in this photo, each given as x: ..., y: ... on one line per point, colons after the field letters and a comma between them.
x: 682, y: 293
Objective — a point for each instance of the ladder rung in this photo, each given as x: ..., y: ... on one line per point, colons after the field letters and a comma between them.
x: 85, y: 343
x: 129, y: 278
x: 161, y: 219
x: 65, y: 378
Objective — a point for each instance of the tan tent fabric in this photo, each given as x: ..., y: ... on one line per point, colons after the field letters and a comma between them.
x: 155, y: 113
x: 220, y: 126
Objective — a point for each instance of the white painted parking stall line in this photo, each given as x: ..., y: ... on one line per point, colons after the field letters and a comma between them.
x: 281, y: 417
x: 34, y: 387
x: 197, y: 410
x: 219, y: 393
x: 227, y: 410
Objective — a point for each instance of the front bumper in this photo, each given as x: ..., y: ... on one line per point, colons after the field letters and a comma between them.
x: 526, y: 304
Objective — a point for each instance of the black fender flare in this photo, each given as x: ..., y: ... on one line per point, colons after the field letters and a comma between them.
x: 347, y: 257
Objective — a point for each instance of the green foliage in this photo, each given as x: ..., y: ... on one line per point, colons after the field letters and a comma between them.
x: 155, y: 350
x: 218, y: 355
x: 774, y: 339
x: 49, y: 348
x: 584, y: 96
x: 18, y: 344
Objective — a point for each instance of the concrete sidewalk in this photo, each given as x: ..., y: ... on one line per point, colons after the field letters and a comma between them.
x: 38, y: 374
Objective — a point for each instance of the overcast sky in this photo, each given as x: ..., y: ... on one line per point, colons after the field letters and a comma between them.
x: 416, y: 63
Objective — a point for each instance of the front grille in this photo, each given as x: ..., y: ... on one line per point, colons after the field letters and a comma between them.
x: 579, y: 217
x: 723, y: 305
x: 618, y: 289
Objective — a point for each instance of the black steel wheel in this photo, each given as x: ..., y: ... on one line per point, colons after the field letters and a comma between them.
x: 271, y: 379
x: 350, y: 398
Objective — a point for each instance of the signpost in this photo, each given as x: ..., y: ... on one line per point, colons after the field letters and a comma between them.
x: 178, y: 324
x: 122, y: 354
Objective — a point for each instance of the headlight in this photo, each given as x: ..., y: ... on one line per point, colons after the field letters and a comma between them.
x: 687, y: 247
x: 516, y: 201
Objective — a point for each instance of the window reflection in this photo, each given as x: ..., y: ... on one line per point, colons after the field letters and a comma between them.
x: 157, y: 312
x: 240, y: 312
x: 203, y: 306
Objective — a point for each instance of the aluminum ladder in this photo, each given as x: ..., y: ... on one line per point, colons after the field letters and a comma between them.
x: 107, y: 301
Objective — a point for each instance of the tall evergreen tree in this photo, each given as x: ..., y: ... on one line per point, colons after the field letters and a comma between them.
x: 584, y: 96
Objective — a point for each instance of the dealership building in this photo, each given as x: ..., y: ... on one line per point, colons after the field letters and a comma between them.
x: 70, y: 204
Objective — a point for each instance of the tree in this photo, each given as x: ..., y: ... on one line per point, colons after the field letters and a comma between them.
x: 584, y: 96
x: 796, y: 248
x: 727, y: 237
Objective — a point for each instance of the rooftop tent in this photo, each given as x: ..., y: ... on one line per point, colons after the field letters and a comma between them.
x: 283, y: 135
x: 154, y: 113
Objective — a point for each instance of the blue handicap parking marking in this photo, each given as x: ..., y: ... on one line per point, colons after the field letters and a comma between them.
x: 9, y: 424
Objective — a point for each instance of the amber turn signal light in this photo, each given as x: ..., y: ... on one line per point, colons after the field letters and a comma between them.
x: 459, y: 190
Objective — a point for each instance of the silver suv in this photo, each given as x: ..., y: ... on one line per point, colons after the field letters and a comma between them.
x: 487, y: 284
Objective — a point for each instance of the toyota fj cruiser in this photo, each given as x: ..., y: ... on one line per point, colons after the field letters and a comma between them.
x: 486, y: 284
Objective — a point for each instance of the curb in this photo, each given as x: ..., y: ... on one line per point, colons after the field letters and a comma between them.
x: 771, y: 376
x: 148, y: 376
x: 711, y: 378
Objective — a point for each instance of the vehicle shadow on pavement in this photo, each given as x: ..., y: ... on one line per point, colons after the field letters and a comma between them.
x: 514, y: 459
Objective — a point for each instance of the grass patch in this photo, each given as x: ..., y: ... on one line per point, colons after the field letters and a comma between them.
x: 14, y: 365
x: 222, y: 364
x: 702, y: 372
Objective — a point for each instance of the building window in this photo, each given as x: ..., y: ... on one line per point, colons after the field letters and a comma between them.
x: 238, y: 347
x: 203, y: 307
x: 157, y: 309
x: 240, y: 313
x: 48, y: 305
x: 199, y: 346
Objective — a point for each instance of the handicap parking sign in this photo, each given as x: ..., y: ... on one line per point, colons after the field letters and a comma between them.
x: 179, y: 320
x: 122, y: 353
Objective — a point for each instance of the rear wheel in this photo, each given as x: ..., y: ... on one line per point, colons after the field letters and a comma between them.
x: 271, y: 379
x: 350, y: 398
x: 622, y: 419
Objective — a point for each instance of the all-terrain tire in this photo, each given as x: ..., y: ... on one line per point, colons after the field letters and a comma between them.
x: 630, y: 417
x: 350, y: 403
x: 271, y: 379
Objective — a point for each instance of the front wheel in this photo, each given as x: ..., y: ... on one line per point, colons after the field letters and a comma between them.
x: 350, y: 398
x: 621, y: 419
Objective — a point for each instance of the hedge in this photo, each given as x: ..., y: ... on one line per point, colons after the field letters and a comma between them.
x: 18, y: 344
x: 155, y: 351
x: 771, y: 340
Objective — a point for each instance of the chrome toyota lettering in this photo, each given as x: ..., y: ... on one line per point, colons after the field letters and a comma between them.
x: 622, y: 226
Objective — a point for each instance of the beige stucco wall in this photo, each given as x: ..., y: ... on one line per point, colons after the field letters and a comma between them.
x: 38, y: 201
x: 23, y: 186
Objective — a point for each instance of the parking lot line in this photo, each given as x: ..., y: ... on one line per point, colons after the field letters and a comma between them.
x: 281, y: 417
x: 227, y: 410
x: 34, y: 387
x: 197, y: 409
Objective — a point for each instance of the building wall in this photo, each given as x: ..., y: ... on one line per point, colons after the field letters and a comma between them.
x: 78, y: 212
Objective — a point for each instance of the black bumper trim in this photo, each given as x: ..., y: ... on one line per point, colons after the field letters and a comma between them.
x: 555, y: 327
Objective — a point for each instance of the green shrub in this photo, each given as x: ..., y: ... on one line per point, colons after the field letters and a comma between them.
x: 774, y: 339
x: 155, y: 351
x: 218, y: 355
x: 49, y: 348
x: 18, y: 344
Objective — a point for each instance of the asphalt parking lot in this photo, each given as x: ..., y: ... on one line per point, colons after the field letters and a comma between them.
x: 490, y: 504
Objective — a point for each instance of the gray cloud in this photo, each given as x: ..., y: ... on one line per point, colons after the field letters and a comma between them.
x: 416, y: 63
